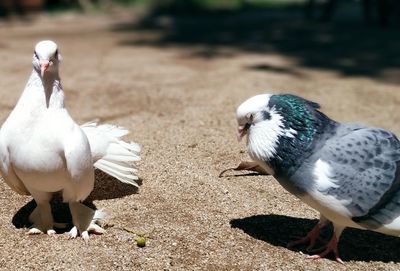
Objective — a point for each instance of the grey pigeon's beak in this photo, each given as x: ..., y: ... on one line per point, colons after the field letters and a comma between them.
x: 44, y: 65
x: 242, y: 131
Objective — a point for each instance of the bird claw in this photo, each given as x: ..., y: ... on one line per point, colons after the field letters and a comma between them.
x: 96, y: 229
x: 337, y: 258
x: 246, y: 165
x: 318, y: 250
x: 85, y: 236
x: 73, y: 233
x: 331, y: 246
x: 51, y: 232
x: 314, y: 257
x: 93, y: 228
x: 312, y: 237
x: 34, y: 231
x: 322, y: 255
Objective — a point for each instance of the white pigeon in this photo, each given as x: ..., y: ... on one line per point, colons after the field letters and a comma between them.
x: 43, y: 150
x: 350, y: 173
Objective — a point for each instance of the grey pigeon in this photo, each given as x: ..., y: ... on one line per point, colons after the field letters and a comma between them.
x: 350, y: 173
x: 43, y: 150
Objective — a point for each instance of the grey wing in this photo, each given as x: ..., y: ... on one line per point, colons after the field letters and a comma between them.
x: 366, y: 169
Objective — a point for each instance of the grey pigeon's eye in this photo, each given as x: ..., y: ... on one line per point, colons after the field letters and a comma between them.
x: 249, y: 117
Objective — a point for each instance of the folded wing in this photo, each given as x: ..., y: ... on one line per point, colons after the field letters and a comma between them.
x: 365, y: 167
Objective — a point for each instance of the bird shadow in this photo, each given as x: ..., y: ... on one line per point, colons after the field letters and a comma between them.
x: 106, y: 187
x: 233, y: 175
x: 354, y: 245
x: 60, y: 211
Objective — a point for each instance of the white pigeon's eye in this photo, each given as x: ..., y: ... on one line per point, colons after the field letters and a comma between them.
x: 35, y: 54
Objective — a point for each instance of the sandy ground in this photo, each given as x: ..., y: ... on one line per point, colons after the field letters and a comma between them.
x: 180, y: 106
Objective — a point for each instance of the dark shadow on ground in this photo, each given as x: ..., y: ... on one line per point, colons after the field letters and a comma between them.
x: 354, y: 245
x: 347, y: 46
x: 60, y: 211
x: 106, y: 187
x: 266, y: 67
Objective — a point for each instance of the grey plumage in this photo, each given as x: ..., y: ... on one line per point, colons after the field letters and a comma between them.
x: 350, y: 173
x: 366, y: 169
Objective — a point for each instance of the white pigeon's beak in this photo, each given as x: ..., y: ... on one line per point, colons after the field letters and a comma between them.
x: 242, y: 131
x: 44, y: 65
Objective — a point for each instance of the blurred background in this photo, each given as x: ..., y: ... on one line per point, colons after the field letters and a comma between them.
x: 352, y: 37
x: 380, y: 12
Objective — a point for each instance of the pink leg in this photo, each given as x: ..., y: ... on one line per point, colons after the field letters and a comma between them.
x: 312, y: 236
x: 331, y: 246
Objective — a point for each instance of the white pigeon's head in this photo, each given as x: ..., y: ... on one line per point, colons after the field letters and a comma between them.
x: 46, y: 57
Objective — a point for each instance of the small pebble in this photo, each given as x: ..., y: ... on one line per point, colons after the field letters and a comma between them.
x: 141, y: 241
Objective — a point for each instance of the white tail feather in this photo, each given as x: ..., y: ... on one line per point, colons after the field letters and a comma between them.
x: 110, y: 154
x: 119, y: 167
x: 131, y: 146
x: 122, y: 157
x: 110, y: 169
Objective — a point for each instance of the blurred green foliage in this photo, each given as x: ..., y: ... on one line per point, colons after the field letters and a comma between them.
x: 180, y: 5
x: 212, y: 4
x: 168, y: 6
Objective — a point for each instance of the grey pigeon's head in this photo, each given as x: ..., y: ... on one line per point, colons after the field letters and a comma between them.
x: 252, y: 111
x: 46, y: 57
x: 276, y: 124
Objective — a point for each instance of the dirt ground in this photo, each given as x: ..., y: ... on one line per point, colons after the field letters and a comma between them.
x: 179, y: 104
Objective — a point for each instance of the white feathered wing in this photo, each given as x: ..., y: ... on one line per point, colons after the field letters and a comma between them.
x: 110, y: 154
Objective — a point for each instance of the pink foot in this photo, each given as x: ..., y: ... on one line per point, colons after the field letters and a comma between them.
x: 331, y: 246
x: 311, y: 237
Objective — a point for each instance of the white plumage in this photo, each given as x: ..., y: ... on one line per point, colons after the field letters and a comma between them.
x: 110, y: 154
x: 42, y: 149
